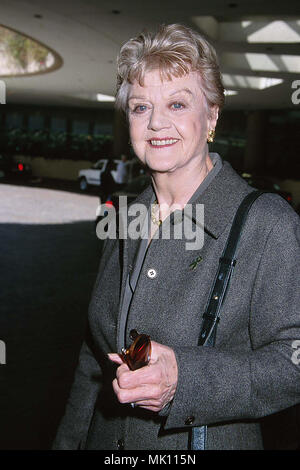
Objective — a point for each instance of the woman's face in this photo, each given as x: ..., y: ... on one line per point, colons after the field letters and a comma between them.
x: 169, y: 123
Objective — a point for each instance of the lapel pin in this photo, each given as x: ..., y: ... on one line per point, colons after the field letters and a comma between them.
x: 195, y: 263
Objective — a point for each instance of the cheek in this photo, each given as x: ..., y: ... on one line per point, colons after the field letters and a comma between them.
x: 132, y: 130
x: 193, y: 130
x: 136, y: 129
x: 137, y: 139
x: 201, y: 127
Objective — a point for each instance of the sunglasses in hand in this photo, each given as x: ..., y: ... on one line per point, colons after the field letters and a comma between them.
x: 139, y: 352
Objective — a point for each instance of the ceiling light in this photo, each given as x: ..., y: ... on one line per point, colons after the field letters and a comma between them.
x: 262, y: 62
x: 260, y: 29
x: 244, y: 81
x: 21, y: 55
x: 275, y: 31
x: 107, y: 98
x: 230, y: 92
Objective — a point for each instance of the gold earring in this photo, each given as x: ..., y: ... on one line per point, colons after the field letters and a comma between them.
x: 211, y: 136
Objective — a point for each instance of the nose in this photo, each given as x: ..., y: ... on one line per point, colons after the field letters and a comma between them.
x: 157, y: 120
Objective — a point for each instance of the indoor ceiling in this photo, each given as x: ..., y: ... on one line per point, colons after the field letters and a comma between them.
x: 258, y: 43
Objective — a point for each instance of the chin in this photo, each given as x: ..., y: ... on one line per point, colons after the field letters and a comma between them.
x: 160, y: 165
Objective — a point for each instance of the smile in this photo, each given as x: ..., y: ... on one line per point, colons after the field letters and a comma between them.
x: 162, y: 142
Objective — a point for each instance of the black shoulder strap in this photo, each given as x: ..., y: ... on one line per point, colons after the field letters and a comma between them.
x: 211, y: 316
x: 226, y: 266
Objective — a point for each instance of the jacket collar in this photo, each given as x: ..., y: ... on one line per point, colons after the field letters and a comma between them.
x: 220, y: 199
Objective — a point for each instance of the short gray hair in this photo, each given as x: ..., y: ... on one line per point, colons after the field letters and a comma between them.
x: 174, y: 50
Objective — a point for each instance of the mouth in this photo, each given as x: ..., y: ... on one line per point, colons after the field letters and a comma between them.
x: 159, y: 143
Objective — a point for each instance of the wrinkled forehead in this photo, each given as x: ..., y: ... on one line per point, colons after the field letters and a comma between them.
x: 154, y: 83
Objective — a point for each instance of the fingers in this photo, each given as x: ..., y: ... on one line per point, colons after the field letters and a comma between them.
x: 114, y: 357
x: 150, y: 387
x: 146, y: 405
x: 132, y: 379
x: 151, y: 408
x: 130, y: 396
x: 152, y: 405
x: 143, y: 393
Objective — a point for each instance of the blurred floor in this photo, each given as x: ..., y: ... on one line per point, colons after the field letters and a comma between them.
x: 49, y: 260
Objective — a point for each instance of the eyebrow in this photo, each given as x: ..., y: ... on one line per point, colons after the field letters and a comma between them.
x: 186, y: 90
x: 136, y: 98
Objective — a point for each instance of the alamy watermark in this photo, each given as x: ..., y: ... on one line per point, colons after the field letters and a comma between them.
x: 296, y: 94
x: 2, y: 352
x: 2, y: 92
x: 134, y: 222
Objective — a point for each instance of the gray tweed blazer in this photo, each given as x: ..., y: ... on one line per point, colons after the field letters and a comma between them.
x: 250, y: 372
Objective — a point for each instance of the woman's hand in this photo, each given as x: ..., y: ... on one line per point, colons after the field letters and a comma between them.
x: 152, y: 387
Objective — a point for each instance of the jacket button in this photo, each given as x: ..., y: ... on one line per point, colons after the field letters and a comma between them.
x: 189, y: 420
x: 120, y: 444
x: 151, y: 273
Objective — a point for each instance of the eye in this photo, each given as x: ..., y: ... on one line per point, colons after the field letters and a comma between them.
x: 139, y: 108
x: 177, y: 105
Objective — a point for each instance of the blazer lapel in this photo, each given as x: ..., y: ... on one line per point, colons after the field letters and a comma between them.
x: 128, y: 246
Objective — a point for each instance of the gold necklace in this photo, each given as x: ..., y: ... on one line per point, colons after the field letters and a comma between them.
x: 153, y: 216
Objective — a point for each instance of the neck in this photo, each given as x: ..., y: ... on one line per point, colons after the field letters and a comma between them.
x: 176, y: 188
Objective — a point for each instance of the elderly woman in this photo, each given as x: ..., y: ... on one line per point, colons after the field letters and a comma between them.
x: 171, y: 91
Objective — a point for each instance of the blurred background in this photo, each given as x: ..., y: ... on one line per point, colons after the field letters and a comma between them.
x: 58, y: 130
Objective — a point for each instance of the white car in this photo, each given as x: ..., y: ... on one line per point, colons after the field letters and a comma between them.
x: 92, y: 176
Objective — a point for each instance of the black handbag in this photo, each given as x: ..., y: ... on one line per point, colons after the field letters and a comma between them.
x: 218, y: 292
